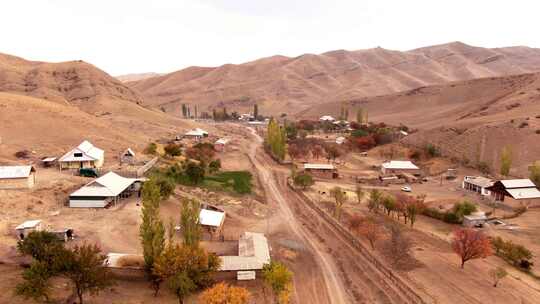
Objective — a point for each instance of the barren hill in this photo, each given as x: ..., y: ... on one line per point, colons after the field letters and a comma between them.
x: 283, y: 84
x: 136, y: 76
x: 468, y: 120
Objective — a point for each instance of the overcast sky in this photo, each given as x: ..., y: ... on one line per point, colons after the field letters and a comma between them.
x: 131, y: 36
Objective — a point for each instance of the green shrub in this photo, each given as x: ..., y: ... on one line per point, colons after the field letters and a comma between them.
x: 303, y: 180
x: 432, y: 150
x: 173, y: 150
x: 151, y: 149
x: 237, y: 181
x: 359, y: 133
x: 463, y: 208
x: 517, y: 255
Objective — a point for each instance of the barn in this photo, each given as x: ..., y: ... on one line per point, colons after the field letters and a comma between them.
x: 17, y: 177
x: 399, y: 167
x: 84, y: 155
x: 321, y: 170
x: 105, y: 190
x: 515, y: 190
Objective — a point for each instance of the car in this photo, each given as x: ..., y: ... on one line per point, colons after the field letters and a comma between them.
x: 406, y: 189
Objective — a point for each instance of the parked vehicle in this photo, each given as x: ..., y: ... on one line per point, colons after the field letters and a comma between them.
x: 406, y: 189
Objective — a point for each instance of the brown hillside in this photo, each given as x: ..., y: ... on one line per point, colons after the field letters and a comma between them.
x: 136, y: 76
x: 282, y: 84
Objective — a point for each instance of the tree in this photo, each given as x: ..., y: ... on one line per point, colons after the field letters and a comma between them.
x: 36, y: 284
x: 497, y: 274
x: 317, y: 151
x: 189, y: 221
x: 340, y: 198
x: 389, y: 203
x: 256, y: 111
x: 463, y: 208
x: 214, y: 166
x: 223, y: 293
x: 470, y: 244
x: 360, y: 116
x: 534, y: 173
x: 173, y: 150
x: 303, y: 180
x: 152, y: 230
x: 195, y: 172
x: 83, y: 266
x: 278, y: 277
x: 414, y: 207
x: 399, y: 246
x: 166, y: 187
x: 43, y: 246
x: 371, y: 231
x: 181, y: 285
x: 151, y: 149
x: 506, y: 161
x: 332, y: 152
x: 359, y: 193
x: 355, y: 222
x: 375, y: 197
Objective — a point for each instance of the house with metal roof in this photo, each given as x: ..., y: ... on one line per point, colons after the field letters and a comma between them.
x: 105, y: 190
x: 327, y: 118
x: 477, y: 184
x: 85, y: 155
x: 514, y: 189
x: 17, y: 177
x: 196, y: 133
x: 28, y: 226
x: 220, y: 144
x: 253, y: 254
x: 321, y: 170
x: 399, y: 166
x: 128, y: 156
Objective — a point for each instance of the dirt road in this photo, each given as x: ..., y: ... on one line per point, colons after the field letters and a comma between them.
x: 349, y: 277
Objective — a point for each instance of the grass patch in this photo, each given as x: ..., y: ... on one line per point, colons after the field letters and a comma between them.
x: 236, y: 181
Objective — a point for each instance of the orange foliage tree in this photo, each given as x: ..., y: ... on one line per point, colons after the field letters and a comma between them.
x: 222, y: 293
x: 470, y: 244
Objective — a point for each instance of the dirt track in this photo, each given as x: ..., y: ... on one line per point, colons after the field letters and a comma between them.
x: 348, y: 276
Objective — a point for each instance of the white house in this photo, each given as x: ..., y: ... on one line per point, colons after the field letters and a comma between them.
x: 253, y: 254
x: 29, y: 226
x: 399, y: 166
x: 477, y: 184
x: 196, y: 133
x: 83, y: 156
x: 327, y: 118
x: 102, y: 191
x: 17, y: 177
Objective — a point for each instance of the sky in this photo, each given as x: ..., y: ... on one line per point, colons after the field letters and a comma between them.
x: 134, y: 36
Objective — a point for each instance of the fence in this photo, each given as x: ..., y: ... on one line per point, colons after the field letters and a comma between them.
x: 402, y: 287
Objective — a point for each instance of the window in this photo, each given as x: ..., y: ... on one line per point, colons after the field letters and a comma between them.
x: 77, y: 154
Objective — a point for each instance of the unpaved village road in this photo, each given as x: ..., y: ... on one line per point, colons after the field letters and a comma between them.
x: 348, y: 276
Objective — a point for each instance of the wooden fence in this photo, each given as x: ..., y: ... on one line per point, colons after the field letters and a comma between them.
x: 398, y: 282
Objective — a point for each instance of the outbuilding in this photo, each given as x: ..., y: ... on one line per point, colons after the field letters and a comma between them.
x: 127, y: 157
x: 84, y: 155
x: 327, y: 118
x: 253, y: 254
x: 221, y: 144
x: 28, y: 226
x: 105, y: 190
x: 523, y: 190
x: 474, y: 219
x: 212, y: 220
x: 322, y: 170
x: 399, y: 166
x: 477, y: 184
x: 196, y: 133
x: 17, y: 177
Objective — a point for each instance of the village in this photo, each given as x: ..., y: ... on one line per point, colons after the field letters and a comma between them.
x: 265, y: 191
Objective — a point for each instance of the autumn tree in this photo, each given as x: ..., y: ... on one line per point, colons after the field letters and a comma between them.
x: 339, y: 198
x: 151, y: 230
x: 279, y: 278
x: 470, y: 244
x: 173, y: 150
x: 303, y: 180
x: 83, y: 266
x: 317, y: 151
x: 389, y: 203
x: 276, y: 140
x: 534, y: 173
x: 371, y: 231
x: 360, y: 116
x: 355, y: 222
x: 399, y: 246
x: 374, y: 202
x: 415, y: 207
x: 506, y: 161
x: 497, y: 274
x: 189, y: 221
x: 256, y: 111
x: 223, y: 293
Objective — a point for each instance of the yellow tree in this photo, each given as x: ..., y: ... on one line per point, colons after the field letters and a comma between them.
x: 506, y: 161
x: 222, y: 293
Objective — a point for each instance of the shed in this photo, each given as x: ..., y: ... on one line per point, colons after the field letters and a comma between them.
x: 327, y: 118
x: 340, y: 140
x: 220, y: 144
x: 322, y: 170
x: 253, y: 254
x: 128, y: 156
x: 84, y: 155
x: 196, y: 133
x: 211, y: 218
x: 399, y: 166
x: 102, y: 191
x: 28, y: 226
x: 474, y: 219
x: 48, y: 161
x: 17, y: 177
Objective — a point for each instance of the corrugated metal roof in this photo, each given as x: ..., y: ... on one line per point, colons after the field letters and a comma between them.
x: 28, y: 224
x: 327, y: 118
x: 211, y: 217
x: 87, y: 149
x: 222, y: 141
x: 235, y: 263
x: 197, y: 132
x: 479, y: 181
x: 399, y: 164
x: 319, y: 166
x: 7, y: 172
x: 517, y: 183
x: 253, y: 253
x: 524, y: 193
x: 108, y: 185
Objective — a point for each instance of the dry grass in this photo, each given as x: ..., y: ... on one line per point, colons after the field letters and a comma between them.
x: 130, y: 261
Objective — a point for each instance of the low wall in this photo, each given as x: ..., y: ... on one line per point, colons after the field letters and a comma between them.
x: 399, y: 283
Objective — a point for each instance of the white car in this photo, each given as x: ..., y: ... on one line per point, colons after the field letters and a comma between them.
x: 406, y: 189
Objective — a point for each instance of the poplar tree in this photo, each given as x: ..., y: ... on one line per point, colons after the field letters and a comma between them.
x: 506, y: 161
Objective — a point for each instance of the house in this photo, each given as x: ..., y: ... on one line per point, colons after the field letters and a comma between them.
x: 474, y: 219
x: 128, y: 156
x: 29, y: 226
x: 253, y: 254
x: 196, y: 133
x: 322, y: 170
x: 17, y: 177
x: 517, y: 190
x: 399, y: 167
x: 477, y: 184
x: 327, y: 118
x: 212, y: 220
x: 83, y: 156
x: 220, y: 144
x: 103, y: 191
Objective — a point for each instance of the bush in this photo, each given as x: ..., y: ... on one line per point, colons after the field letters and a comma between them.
x: 432, y: 151
x: 166, y: 186
x: 22, y: 154
x: 464, y: 208
x: 359, y: 133
x: 303, y: 180
x: 214, y: 166
x: 151, y: 149
x: 173, y: 150
x: 517, y: 255
x: 483, y: 167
